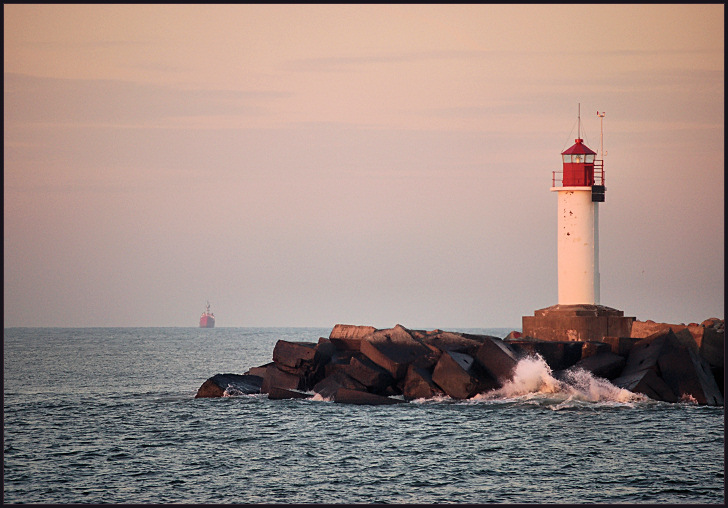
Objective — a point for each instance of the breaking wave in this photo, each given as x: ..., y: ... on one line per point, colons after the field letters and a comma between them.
x: 533, y: 378
x: 318, y: 397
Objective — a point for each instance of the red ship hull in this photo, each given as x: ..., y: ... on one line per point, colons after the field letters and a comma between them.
x: 207, y: 322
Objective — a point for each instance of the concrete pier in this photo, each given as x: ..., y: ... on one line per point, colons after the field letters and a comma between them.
x: 582, y: 322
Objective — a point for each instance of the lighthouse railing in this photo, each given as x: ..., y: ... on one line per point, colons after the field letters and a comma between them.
x: 598, y: 175
x: 553, y: 177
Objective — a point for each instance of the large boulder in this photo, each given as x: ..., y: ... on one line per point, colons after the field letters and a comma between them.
x: 349, y: 336
x: 291, y: 356
x: 708, y: 336
x: 689, y: 375
x: 220, y: 385
x: 591, y: 348
x: 712, y: 348
x: 645, y: 353
x: 325, y: 349
x: 277, y: 378
x: 559, y: 355
x: 328, y: 386
x: 418, y: 384
x: 678, y: 364
x: 451, y: 341
x: 339, y: 361
x: 458, y: 375
x: 646, y: 382
x: 375, y: 378
x: 712, y: 344
x: 606, y: 364
x: 620, y: 345
x: 259, y: 371
x: 497, y: 358
x: 394, y: 350
x: 306, y: 360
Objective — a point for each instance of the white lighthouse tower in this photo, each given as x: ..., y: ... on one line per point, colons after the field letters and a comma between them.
x: 581, y: 191
x: 578, y: 315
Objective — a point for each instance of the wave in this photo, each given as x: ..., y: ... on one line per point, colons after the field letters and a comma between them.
x: 533, y: 377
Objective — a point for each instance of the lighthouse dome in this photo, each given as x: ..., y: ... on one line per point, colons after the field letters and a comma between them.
x: 578, y: 165
x: 578, y: 148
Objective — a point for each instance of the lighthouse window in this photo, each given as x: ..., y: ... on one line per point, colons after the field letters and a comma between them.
x: 590, y: 158
x: 567, y: 158
x: 577, y: 158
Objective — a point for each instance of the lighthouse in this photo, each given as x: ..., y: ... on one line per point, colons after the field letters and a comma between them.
x: 579, y: 195
x: 578, y: 315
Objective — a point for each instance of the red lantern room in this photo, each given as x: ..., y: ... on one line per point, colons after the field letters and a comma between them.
x: 578, y: 165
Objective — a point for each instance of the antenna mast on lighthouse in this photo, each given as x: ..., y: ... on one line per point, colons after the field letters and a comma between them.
x: 578, y: 117
x: 601, y: 133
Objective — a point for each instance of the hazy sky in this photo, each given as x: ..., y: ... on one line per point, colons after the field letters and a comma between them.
x: 307, y: 165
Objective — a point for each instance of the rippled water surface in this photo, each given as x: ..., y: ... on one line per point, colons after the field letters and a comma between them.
x: 108, y: 415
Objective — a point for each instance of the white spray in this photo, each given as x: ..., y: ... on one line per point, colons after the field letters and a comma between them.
x: 533, y: 376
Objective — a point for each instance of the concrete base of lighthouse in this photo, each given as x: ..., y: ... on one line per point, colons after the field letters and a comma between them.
x: 583, y: 322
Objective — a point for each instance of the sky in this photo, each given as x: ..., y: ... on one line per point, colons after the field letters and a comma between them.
x: 308, y: 165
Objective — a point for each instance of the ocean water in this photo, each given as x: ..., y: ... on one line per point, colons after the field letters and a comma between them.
x: 108, y: 415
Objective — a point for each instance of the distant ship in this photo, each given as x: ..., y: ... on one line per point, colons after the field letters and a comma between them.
x: 207, y: 320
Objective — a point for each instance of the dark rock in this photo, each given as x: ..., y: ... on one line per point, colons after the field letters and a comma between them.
x: 449, y: 341
x: 645, y: 352
x: 643, y: 329
x: 646, y: 382
x: 620, y: 345
x: 347, y: 396
x: 235, y: 384
x: 393, y: 350
x: 327, y: 387
x: 306, y: 360
x: 710, y: 330
x: 498, y: 358
x: 479, y: 337
x: 392, y: 390
x: 325, y: 350
x: 429, y: 359
x: 339, y: 360
x: 687, y: 373
x: 277, y: 378
x: 591, y: 348
x: 679, y: 365
x: 458, y: 376
x: 712, y: 345
x: 259, y: 371
x: 349, y: 337
x: 368, y: 373
x: 558, y: 355
x: 294, y: 354
x: 276, y: 393
x: 418, y: 384
x: 606, y: 364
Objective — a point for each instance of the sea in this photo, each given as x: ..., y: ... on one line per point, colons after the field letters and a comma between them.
x: 109, y: 415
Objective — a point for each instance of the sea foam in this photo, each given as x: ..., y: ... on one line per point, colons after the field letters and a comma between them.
x: 532, y: 376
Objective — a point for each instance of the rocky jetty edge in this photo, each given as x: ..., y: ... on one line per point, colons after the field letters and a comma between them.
x: 365, y: 365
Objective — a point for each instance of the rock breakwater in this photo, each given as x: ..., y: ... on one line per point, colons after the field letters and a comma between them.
x: 365, y: 365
